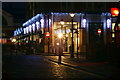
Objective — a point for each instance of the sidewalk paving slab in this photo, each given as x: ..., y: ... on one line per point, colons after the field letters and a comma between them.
x: 101, y: 68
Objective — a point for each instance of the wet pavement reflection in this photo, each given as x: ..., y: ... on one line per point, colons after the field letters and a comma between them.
x: 39, y: 67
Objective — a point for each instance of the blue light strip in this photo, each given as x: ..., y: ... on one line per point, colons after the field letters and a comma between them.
x: 64, y: 13
x: 33, y: 19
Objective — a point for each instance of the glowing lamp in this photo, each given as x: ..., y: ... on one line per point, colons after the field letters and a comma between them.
x: 60, y: 35
x: 62, y: 22
x: 84, y: 23
x: 72, y: 15
x: 114, y: 11
x: 42, y: 23
x: 13, y: 40
x: 108, y: 23
x: 37, y: 25
x: 57, y: 44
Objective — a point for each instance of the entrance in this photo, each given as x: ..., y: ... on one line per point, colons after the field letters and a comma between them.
x: 95, y: 38
x: 66, y: 39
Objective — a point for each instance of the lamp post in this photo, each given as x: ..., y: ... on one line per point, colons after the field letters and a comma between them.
x: 72, y: 47
x: 48, y: 38
x: 77, y: 40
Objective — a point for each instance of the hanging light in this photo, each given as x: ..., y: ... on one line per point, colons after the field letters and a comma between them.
x: 60, y: 35
x: 72, y: 15
x: 62, y: 22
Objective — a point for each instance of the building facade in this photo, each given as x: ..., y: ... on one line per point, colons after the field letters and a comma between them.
x: 90, y: 32
x: 6, y: 28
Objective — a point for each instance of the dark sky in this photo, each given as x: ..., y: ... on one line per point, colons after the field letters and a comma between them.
x: 17, y: 9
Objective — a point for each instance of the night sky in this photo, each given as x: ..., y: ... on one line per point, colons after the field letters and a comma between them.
x: 19, y: 9
x: 16, y: 9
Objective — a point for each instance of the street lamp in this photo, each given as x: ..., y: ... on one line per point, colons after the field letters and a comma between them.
x: 13, y: 40
x: 60, y: 35
x: 62, y: 22
x: 72, y: 47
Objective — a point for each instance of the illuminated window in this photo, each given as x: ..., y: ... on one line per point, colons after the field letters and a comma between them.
x: 113, y: 25
x: 108, y: 23
x: 30, y: 28
x: 24, y: 30
x: 42, y: 23
x: 21, y: 30
x: 56, y: 32
x: 33, y: 27
x: 27, y: 29
x: 15, y: 33
x: 49, y: 21
x: 113, y: 35
x: 68, y: 30
x: 37, y: 25
x: 83, y: 23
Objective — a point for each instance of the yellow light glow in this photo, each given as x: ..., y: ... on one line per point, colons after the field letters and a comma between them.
x: 113, y: 25
x: 70, y: 34
x: 13, y: 40
x: 116, y: 12
x: 60, y: 35
x: 68, y: 23
x: 72, y: 14
x: 62, y: 22
x: 113, y: 35
x: 57, y: 43
x: 66, y: 35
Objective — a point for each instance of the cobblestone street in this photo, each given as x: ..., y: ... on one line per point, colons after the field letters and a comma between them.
x: 39, y: 67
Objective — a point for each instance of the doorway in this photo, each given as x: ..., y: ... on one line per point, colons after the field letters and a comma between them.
x: 96, y: 38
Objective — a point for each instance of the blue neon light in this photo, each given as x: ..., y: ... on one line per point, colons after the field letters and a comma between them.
x: 64, y: 13
x: 27, y: 29
x: 42, y: 23
x: 24, y: 30
x: 84, y: 23
x: 33, y: 27
x: 108, y: 23
x: 30, y: 28
x: 37, y: 25
x: 68, y: 30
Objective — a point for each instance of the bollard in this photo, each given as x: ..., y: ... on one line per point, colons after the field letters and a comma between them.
x: 59, y: 56
x: 59, y: 59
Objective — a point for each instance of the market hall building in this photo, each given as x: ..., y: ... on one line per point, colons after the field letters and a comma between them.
x: 91, y: 32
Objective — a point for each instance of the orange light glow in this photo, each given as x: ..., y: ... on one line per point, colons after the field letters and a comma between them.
x: 114, y: 11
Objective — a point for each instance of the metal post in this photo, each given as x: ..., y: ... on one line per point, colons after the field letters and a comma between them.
x: 65, y: 41
x: 77, y: 40
x: 48, y: 38
x: 80, y: 33
x: 72, y: 51
x: 60, y: 48
x: 59, y: 58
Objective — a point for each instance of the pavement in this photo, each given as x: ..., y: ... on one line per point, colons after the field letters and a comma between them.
x: 101, y: 68
x: 36, y: 67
